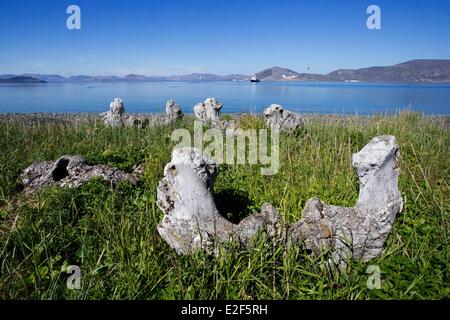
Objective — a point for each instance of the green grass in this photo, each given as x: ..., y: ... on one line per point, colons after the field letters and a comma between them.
x: 111, y: 234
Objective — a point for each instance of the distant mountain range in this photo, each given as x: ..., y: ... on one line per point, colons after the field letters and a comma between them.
x: 283, y: 74
x: 20, y: 79
x: 55, y: 78
x: 410, y: 71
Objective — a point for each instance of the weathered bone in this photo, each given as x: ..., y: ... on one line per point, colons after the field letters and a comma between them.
x: 173, y: 110
x: 192, y: 221
x: 358, y: 232
x: 208, y: 111
x: 114, y: 117
x: 72, y: 171
x: 281, y: 119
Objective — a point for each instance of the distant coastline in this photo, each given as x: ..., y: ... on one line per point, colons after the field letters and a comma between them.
x: 414, y: 71
x: 21, y: 79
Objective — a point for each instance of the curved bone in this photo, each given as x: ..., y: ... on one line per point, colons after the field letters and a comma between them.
x: 358, y: 232
x: 193, y: 222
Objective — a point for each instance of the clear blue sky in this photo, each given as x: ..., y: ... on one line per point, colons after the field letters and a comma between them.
x: 230, y: 36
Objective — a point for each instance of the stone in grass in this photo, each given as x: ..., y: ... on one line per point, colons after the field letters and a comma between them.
x: 283, y: 120
x: 72, y: 171
x: 192, y: 221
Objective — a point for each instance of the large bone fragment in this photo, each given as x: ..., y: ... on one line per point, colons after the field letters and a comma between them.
x: 114, y: 116
x: 192, y: 221
x: 208, y: 111
x: 72, y: 171
x: 279, y: 118
x: 173, y: 110
x: 358, y: 232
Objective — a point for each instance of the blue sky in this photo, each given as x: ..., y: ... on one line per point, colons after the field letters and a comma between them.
x: 231, y: 36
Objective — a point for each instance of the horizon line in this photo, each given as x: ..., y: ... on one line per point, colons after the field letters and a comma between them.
x: 68, y: 75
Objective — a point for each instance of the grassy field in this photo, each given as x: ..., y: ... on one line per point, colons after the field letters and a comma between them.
x: 111, y: 234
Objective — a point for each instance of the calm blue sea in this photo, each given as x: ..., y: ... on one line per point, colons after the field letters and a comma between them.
x: 341, y: 98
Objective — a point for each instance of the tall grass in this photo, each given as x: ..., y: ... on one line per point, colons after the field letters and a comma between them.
x: 111, y: 234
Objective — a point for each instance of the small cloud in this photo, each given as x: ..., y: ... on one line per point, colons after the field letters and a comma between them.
x: 39, y: 64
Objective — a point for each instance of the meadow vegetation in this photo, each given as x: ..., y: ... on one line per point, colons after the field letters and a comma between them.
x: 111, y: 233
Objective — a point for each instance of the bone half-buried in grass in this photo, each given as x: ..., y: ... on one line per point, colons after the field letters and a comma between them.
x: 192, y: 221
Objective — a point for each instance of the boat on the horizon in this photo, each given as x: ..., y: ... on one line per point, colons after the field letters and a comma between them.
x: 254, y: 79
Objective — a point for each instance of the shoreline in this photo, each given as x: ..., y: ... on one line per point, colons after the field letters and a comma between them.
x: 88, y: 114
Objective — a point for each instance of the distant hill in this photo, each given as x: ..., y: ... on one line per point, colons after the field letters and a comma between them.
x: 276, y: 74
x: 21, y: 79
x: 46, y: 77
x: 206, y: 77
x: 7, y: 76
x: 54, y: 78
x: 410, y: 71
x: 136, y: 77
x: 284, y: 74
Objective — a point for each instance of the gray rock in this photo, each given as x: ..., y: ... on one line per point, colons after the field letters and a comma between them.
x: 192, y: 221
x: 279, y: 118
x: 208, y: 111
x: 173, y: 110
x: 72, y: 171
